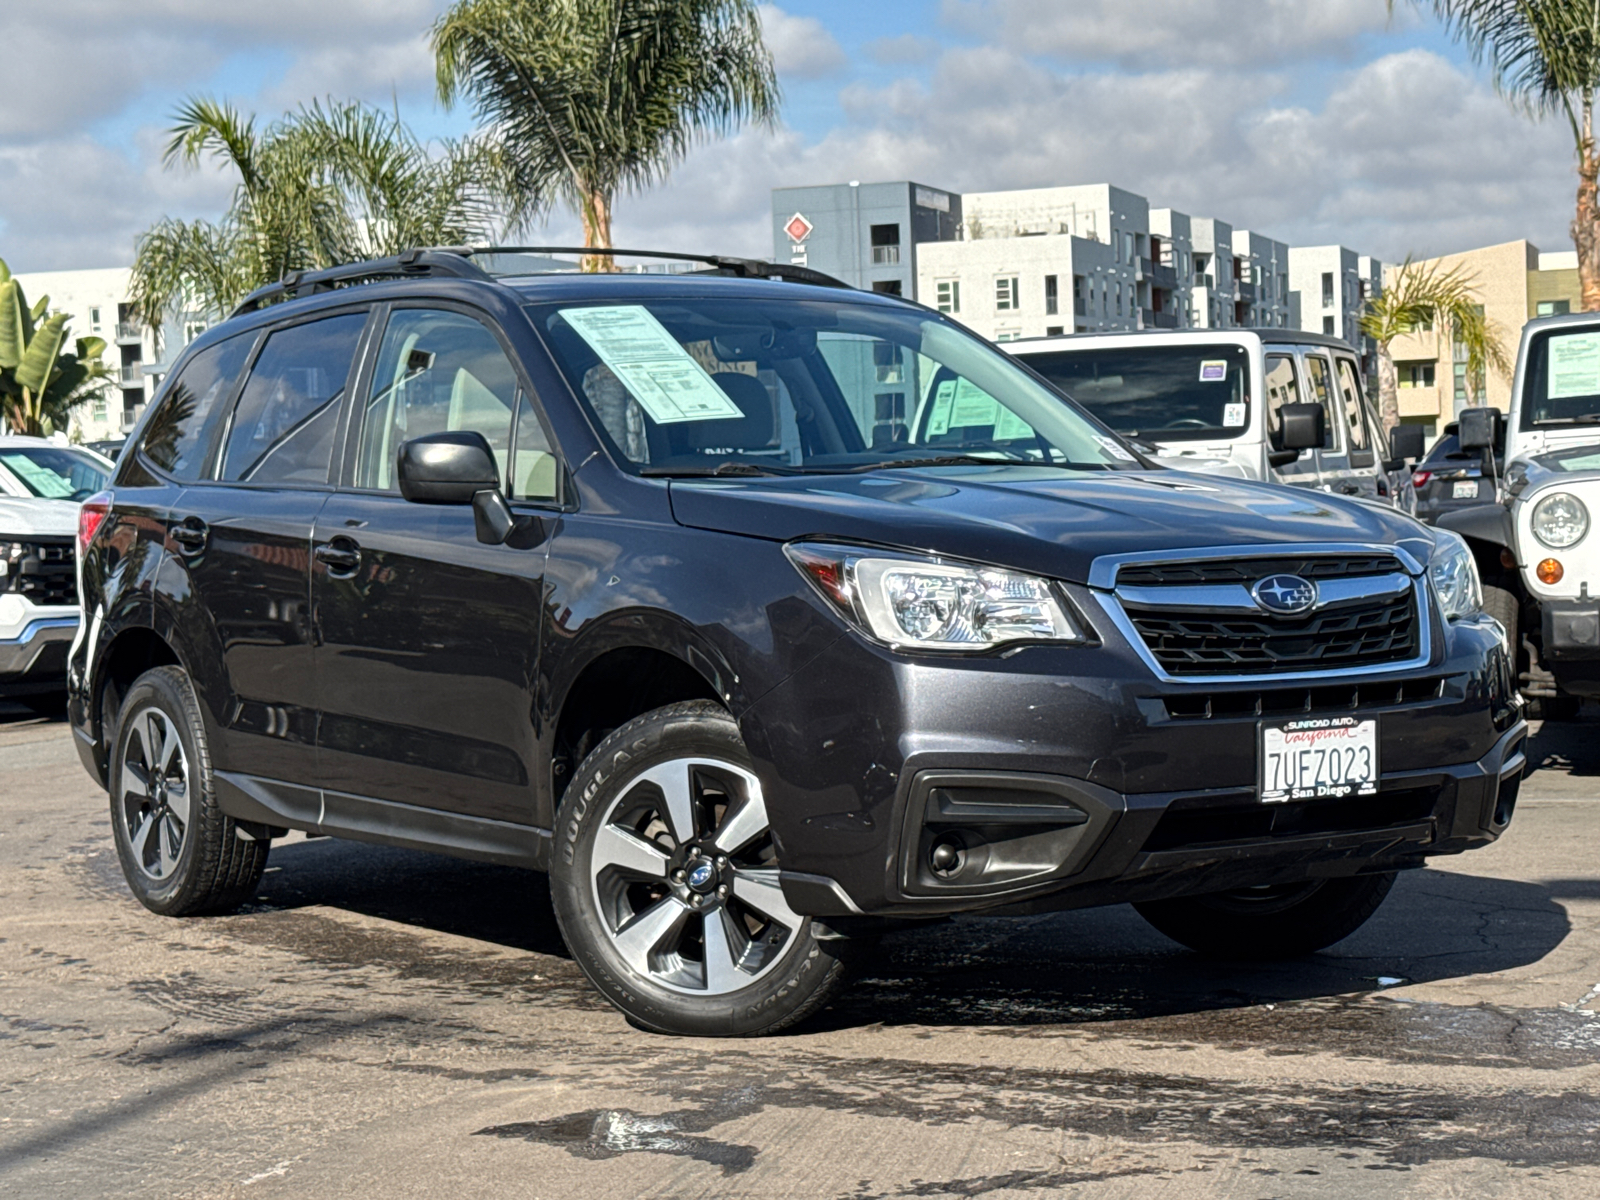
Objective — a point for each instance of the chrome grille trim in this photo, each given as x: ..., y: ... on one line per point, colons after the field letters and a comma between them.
x: 1234, y: 597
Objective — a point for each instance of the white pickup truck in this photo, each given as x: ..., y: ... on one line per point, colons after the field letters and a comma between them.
x: 41, y: 486
x: 1536, y: 548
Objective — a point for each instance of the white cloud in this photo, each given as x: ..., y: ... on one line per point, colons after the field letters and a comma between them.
x: 802, y: 47
x: 1139, y: 34
x: 907, y: 49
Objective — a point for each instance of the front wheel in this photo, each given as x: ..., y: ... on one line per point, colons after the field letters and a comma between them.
x: 665, y: 884
x: 1280, y: 921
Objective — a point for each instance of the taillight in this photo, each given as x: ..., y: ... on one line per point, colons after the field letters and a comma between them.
x: 1419, y: 479
x: 94, y: 510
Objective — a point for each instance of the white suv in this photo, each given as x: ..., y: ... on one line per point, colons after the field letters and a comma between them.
x: 41, y: 486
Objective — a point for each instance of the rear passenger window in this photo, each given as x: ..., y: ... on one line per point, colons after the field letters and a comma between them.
x: 180, y: 431
x: 439, y: 371
x: 284, y: 425
x: 1350, y: 389
x: 1322, y: 393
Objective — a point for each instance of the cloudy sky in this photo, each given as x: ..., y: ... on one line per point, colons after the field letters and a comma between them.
x: 1312, y: 120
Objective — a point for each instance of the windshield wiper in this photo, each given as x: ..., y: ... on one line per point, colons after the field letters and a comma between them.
x: 722, y: 468
x: 973, y: 460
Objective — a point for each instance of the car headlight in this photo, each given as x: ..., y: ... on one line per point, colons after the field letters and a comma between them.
x: 932, y: 604
x: 1455, y: 576
x: 1560, y: 520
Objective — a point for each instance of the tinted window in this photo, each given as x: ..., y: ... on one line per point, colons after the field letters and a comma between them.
x: 1448, y: 446
x: 180, y: 431
x: 1166, y: 393
x: 1322, y: 391
x: 284, y: 425
x: 54, y: 473
x: 1355, y: 427
x: 1283, y: 387
x: 534, y: 472
x: 437, y: 371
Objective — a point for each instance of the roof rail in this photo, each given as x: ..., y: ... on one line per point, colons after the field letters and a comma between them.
x: 724, y: 264
x: 452, y: 261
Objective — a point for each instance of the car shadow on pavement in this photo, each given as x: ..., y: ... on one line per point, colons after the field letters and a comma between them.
x: 1567, y: 746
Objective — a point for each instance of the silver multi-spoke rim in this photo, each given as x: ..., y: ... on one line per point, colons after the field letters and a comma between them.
x: 685, y: 878
x: 155, y: 792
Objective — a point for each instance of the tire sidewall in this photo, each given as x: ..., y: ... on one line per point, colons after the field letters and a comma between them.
x: 158, y: 689
x: 777, y: 998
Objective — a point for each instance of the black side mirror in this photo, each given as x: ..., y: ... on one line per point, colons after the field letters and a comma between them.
x: 1478, y: 427
x: 1302, y: 427
x: 446, y: 468
x: 1406, y: 442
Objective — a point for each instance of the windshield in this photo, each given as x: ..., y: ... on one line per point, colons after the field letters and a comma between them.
x: 54, y: 473
x: 1575, y: 458
x: 1160, y: 393
x: 1563, y: 379
x: 685, y: 385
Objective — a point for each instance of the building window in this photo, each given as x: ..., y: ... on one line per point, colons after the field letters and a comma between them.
x: 1051, y: 301
x: 1415, y: 374
x: 1054, y: 330
x: 1327, y: 324
x: 947, y: 293
x: 1006, y: 335
x: 1127, y: 246
x: 1553, y: 308
x: 1327, y: 289
x: 886, y: 358
x: 99, y: 409
x: 1005, y: 294
x: 94, y: 317
x: 885, y: 244
x: 888, y: 287
x: 192, y: 330
x: 1119, y: 300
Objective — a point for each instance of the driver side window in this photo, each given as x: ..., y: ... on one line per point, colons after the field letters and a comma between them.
x: 1283, y: 387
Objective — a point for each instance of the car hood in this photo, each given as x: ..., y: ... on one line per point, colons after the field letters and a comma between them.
x: 31, y: 516
x: 1037, y: 519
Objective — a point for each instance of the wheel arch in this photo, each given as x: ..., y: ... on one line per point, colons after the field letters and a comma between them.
x: 129, y: 654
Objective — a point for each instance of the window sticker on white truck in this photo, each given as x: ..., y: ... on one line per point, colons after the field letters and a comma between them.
x: 1574, y: 365
x: 1233, y: 415
x: 1213, y: 370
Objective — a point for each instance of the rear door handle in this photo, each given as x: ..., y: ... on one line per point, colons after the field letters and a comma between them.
x: 342, y: 557
x: 190, y: 533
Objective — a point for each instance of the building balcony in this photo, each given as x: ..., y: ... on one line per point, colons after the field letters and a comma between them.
x: 1147, y: 319
x: 1245, y: 291
x: 1080, y: 306
x: 1142, y: 268
x: 1204, y: 281
x: 1161, y: 276
x: 130, y: 417
x: 128, y: 332
x: 1161, y: 320
x: 1418, y: 401
x: 131, y: 375
x: 885, y: 256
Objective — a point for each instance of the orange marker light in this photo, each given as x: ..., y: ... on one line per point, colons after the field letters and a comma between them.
x: 1549, y: 571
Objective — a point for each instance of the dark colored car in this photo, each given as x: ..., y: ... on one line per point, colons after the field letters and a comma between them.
x: 1451, y: 478
x: 642, y: 580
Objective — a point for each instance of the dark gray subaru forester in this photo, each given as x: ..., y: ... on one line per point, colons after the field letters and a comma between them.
x: 763, y: 614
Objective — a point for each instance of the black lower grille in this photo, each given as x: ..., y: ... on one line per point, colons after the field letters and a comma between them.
x: 44, y: 571
x: 1288, y: 702
x: 54, y: 589
x: 1356, y: 634
x: 1248, y: 820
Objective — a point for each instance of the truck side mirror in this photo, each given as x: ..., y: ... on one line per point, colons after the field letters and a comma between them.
x: 1300, y: 427
x: 1405, y: 442
x: 1477, y: 428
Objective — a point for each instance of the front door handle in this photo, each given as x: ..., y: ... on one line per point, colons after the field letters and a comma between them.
x: 190, y: 533
x: 342, y: 557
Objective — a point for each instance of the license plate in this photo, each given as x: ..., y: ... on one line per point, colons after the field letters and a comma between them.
x: 1314, y: 757
x: 1466, y: 489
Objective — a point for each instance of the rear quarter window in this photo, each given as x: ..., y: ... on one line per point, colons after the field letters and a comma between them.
x: 178, y: 435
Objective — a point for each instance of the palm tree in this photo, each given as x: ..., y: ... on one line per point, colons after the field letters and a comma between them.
x: 591, y: 97
x: 1544, y: 56
x: 321, y: 186
x: 1423, y: 296
x: 41, y: 379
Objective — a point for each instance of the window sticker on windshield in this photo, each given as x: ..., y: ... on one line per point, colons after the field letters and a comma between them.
x: 41, y: 480
x: 1115, y: 448
x: 1010, y: 427
x: 663, y: 377
x: 1233, y: 415
x: 973, y: 406
x: 1574, y: 365
x: 1213, y: 370
x: 939, y: 419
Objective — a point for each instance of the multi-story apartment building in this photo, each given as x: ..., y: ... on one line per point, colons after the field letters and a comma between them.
x: 1333, y: 284
x: 97, y: 300
x: 1513, y: 281
x: 1262, y: 296
x: 866, y: 234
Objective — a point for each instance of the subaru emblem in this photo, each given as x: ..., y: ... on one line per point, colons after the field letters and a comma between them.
x: 1285, y: 595
x: 700, y: 876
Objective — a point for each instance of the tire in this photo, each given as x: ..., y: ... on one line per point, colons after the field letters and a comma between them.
x: 665, y: 884
x: 1502, y: 604
x: 1272, y: 922
x: 180, y: 853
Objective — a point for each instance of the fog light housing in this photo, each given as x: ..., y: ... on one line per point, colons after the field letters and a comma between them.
x: 1549, y: 571
x: 948, y: 856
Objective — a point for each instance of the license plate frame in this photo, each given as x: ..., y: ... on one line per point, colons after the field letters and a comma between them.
x: 1357, y: 771
x: 1464, y: 489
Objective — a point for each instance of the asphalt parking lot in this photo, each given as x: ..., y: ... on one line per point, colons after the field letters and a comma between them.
x: 383, y: 1023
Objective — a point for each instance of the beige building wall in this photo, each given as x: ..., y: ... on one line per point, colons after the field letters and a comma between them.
x: 1510, y: 285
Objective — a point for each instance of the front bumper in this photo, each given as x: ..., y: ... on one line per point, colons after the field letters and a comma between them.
x: 1119, y: 787
x: 33, y: 658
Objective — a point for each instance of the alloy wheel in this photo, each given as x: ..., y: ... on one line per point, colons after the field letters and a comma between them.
x: 685, y: 878
x: 155, y: 800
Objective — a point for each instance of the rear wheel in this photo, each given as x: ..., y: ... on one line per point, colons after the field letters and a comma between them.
x: 1502, y: 604
x: 665, y: 884
x: 181, y: 855
x: 1280, y: 921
